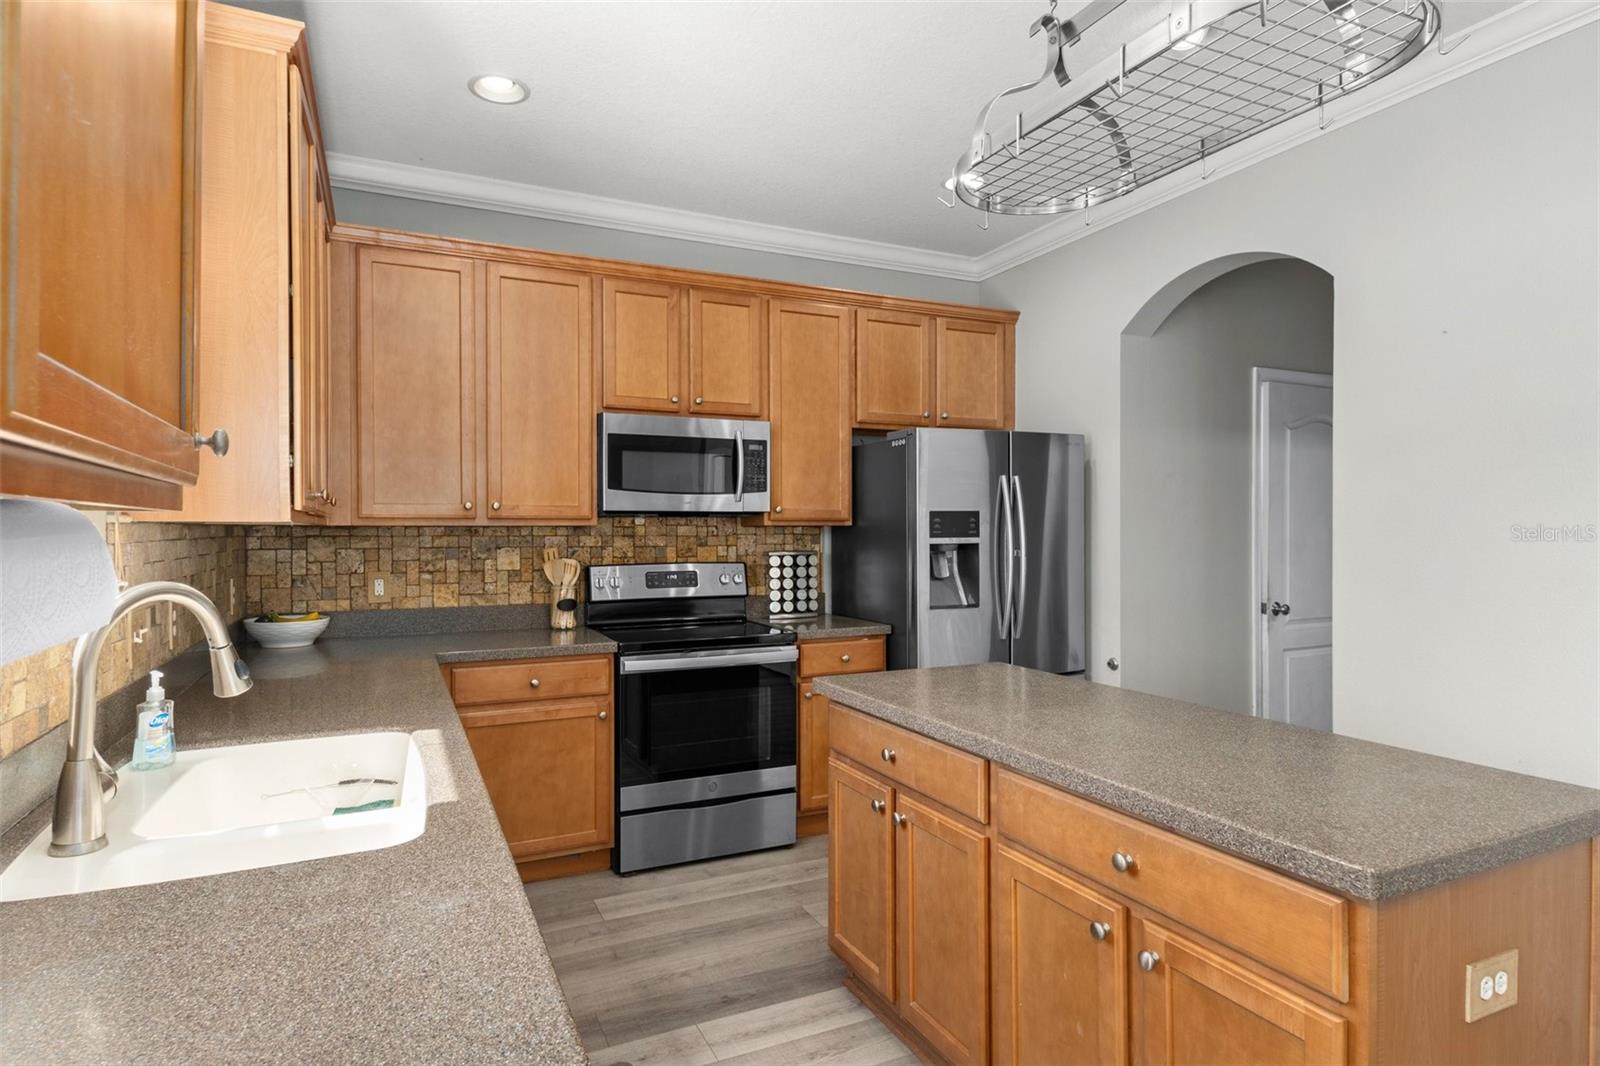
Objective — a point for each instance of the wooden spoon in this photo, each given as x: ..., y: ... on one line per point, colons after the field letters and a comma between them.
x: 552, y: 570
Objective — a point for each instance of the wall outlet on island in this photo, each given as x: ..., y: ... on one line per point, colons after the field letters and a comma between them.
x: 1491, y: 985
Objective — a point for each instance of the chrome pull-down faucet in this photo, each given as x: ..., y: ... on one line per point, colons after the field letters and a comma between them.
x: 87, y: 780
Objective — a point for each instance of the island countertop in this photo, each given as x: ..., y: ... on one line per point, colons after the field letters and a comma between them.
x: 422, y: 952
x: 1365, y: 819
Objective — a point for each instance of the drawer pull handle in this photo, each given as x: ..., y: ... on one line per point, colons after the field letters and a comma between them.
x: 1099, y: 930
x: 1148, y: 960
x: 1124, y: 863
x: 899, y: 819
x: 888, y: 754
x: 879, y: 805
x: 533, y: 682
x: 845, y: 657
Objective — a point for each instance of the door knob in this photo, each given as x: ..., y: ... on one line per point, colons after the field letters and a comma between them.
x: 699, y: 400
x: 1123, y: 862
x: 674, y: 399
x: 899, y: 819
x: 1099, y: 930
x: 778, y: 509
x: 217, y: 442
x: 944, y: 414
x: 604, y: 715
x: 888, y: 754
x: 495, y: 506
x: 1148, y: 960
x: 533, y: 682
x: 879, y: 805
x: 1279, y: 608
x: 844, y: 658
x: 466, y: 505
x: 925, y: 414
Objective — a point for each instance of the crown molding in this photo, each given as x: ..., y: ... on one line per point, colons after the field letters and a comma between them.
x: 1503, y: 34
x: 1497, y: 37
x: 537, y: 201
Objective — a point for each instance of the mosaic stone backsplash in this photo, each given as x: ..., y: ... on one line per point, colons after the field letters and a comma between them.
x: 305, y: 568
x: 35, y: 692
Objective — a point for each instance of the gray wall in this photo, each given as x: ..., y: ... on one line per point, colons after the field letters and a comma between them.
x: 1462, y: 230
x: 1186, y: 473
x: 423, y: 216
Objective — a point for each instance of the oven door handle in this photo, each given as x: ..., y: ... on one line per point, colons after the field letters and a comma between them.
x: 707, y: 660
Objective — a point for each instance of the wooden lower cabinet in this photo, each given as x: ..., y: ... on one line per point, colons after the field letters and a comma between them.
x: 813, y: 775
x: 849, y: 655
x: 1192, y: 1006
x: 1060, y: 967
x: 861, y: 860
x: 942, y: 929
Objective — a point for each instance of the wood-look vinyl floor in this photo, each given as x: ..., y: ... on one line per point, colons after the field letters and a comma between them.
x: 719, y: 962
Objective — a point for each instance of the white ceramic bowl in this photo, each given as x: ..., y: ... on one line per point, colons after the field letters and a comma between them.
x: 285, y: 634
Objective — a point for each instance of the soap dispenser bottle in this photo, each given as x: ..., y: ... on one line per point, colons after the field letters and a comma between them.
x: 154, y: 745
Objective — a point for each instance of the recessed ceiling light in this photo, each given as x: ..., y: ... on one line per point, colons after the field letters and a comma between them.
x: 498, y: 89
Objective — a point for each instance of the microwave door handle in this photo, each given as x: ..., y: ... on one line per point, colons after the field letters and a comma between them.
x: 738, y: 466
x: 1022, y: 561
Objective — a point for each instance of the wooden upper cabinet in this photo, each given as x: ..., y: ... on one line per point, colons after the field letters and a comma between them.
x: 548, y: 769
x: 1060, y: 967
x: 727, y: 354
x: 894, y: 369
x: 861, y: 906
x: 101, y: 239
x: 973, y: 373
x: 309, y: 335
x: 641, y: 345
x: 416, y: 385
x: 942, y: 929
x: 539, y: 434
x: 1194, y: 1006
x: 810, y: 346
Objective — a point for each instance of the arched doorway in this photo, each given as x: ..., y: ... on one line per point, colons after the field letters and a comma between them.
x: 1198, y: 361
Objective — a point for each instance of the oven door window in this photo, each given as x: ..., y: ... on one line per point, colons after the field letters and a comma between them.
x: 703, y: 722
x: 679, y: 466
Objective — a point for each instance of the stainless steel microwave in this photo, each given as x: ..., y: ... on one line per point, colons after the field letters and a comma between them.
x: 668, y: 464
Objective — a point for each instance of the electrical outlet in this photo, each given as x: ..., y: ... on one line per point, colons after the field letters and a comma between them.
x: 1491, y: 985
x: 382, y: 586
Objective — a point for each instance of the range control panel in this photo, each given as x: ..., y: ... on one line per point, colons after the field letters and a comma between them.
x: 643, y: 581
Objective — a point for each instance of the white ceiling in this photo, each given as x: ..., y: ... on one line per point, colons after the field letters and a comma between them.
x: 840, y: 118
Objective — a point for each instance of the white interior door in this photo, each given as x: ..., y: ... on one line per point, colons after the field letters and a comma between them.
x: 1294, y: 547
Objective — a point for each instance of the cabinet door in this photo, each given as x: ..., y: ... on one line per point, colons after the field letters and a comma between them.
x: 727, y: 354
x: 942, y: 930
x: 308, y: 352
x: 641, y: 345
x: 540, y: 392
x: 416, y: 385
x: 1060, y: 969
x: 811, y: 348
x: 861, y: 876
x: 1193, y: 1006
x: 548, y: 770
x: 813, y: 750
x: 972, y: 374
x: 100, y: 240
x: 894, y: 369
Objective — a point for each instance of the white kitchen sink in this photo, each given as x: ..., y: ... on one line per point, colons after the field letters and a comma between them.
x: 217, y: 810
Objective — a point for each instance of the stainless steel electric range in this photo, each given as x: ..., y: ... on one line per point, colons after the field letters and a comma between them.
x: 705, y: 759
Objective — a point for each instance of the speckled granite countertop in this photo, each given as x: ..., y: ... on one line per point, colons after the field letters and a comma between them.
x: 1364, y: 819
x: 421, y: 953
x: 820, y: 627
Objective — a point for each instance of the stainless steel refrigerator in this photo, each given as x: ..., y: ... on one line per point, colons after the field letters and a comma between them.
x: 970, y: 544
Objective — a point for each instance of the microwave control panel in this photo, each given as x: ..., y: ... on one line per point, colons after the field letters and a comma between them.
x: 755, y: 466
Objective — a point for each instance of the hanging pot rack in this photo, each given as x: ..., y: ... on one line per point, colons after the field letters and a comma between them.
x: 1204, y: 76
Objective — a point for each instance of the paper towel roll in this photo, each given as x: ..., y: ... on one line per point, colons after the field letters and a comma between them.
x: 56, y: 577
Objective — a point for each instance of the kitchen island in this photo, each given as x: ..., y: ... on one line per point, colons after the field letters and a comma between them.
x: 1033, y: 867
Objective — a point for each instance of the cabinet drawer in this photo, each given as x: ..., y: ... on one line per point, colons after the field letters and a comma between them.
x: 957, y: 779
x: 1294, y: 928
x: 530, y: 679
x: 863, y: 655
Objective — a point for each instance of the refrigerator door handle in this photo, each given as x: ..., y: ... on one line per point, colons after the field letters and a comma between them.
x: 1021, y: 585
x: 1003, y: 507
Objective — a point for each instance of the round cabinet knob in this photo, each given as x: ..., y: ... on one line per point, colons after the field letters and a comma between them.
x: 925, y: 414
x: 899, y: 819
x: 533, y: 682
x: 878, y: 805
x: 217, y: 442
x: 604, y: 715
x: 1148, y: 960
x: 495, y: 506
x: 674, y: 399
x: 466, y: 505
x: 778, y: 509
x: 845, y: 657
x: 699, y: 399
x: 944, y: 414
x: 809, y: 695
x: 888, y: 754
x: 1099, y: 930
x: 1123, y: 862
